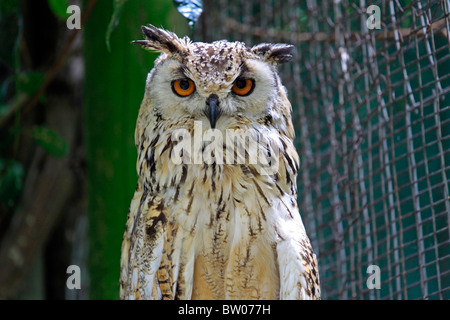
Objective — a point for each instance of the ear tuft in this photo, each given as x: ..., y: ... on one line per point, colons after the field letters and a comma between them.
x: 275, y: 53
x: 160, y: 40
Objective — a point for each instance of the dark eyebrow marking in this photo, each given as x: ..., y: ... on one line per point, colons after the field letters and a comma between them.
x: 244, y: 69
x: 181, y: 71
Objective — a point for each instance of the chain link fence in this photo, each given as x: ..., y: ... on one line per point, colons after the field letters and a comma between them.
x: 370, y: 88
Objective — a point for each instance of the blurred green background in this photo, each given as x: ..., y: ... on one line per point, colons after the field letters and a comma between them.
x: 112, y: 98
x: 68, y: 110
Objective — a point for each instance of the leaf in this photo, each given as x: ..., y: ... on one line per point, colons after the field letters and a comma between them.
x: 59, y: 8
x: 50, y: 140
x: 30, y: 82
x: 190, y: 9
x: 114, y: 22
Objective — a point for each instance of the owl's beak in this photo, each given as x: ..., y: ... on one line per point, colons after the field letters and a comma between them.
x: 213, y: 110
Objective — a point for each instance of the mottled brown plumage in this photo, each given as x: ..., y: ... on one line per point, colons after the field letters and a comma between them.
x: 214, y: 214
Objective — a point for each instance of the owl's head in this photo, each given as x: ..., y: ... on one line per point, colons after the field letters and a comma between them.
x: 214, y: 82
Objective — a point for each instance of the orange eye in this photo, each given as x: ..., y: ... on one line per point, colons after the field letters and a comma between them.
x: 183, y: 87
x: 243, y: 87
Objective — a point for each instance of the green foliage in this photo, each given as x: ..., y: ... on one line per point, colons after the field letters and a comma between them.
x: 30, y: 82
x: 11, y: 181
x: 50, y: 141
x: 59, y: 8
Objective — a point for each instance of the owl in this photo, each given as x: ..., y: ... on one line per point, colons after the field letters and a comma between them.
x: 214, y: 214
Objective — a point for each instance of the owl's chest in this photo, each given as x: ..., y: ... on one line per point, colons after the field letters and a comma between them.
x: 209, y: 198
x: 206, y: 197
x: 221, y: 213
x: 225, y: 227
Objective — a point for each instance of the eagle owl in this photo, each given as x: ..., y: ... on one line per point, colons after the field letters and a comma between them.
x: 214, y: 214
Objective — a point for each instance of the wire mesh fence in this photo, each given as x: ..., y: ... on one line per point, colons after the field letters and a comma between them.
x: 370, y: 91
